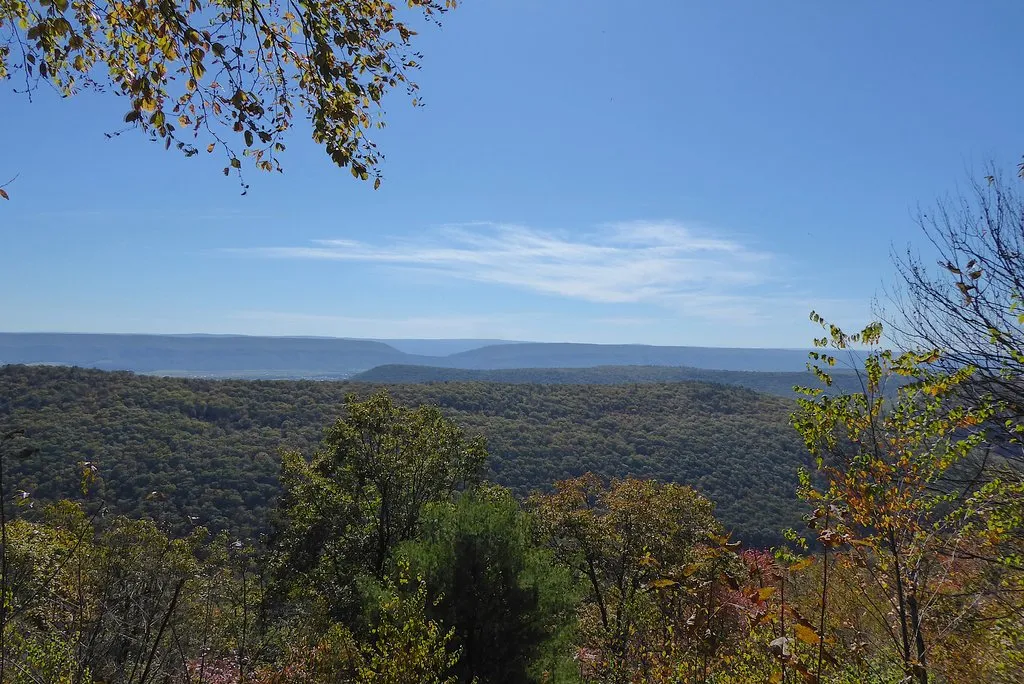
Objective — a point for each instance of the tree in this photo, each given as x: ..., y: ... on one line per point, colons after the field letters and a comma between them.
x: 971, y: 305
x: 882, y: 492
x: 343, y: 512
x: 226, y: 75
x: 507, y: 602
x: 110, y: 601
x: 408, y: 647
x: 650, y: 555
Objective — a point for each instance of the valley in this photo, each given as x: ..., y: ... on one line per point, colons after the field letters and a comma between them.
x: 194, y: 451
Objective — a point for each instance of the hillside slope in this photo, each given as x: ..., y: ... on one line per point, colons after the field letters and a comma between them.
x: 178, y: 449
x: 773, y: 383
x: 551, y: 355
x: 200, y: 353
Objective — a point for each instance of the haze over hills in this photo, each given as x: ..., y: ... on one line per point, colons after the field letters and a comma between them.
x: 202, y: 354
x: 440, y: 347
x: 322, y: 357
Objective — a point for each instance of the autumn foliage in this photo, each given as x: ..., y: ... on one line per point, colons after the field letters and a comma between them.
x: 391, y: 560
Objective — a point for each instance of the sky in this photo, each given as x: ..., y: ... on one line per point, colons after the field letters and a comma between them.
x: 666, y: 172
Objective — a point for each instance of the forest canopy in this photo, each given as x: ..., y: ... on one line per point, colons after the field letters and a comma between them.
x: 179, y: 450
x: 390, y: 559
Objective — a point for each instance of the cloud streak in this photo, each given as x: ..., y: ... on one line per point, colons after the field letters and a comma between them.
x: 664, y: 263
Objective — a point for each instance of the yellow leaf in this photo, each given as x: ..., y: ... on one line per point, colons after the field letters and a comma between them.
x: 764, y: 592
x: 805, y: 634
x: 800, y: 565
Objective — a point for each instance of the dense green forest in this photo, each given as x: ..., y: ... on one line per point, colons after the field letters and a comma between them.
x: 207, y: 451
x: 780, y: 383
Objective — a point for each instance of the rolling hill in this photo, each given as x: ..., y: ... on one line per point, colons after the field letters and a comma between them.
x: 565, y: 355
x: 780, y: 383
x: 439, y: 347
x: 201, y: 354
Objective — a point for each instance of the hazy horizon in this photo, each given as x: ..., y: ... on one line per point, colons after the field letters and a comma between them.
x: 388, y: 340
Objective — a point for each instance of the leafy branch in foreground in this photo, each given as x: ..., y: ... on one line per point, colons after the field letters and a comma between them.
x: 226, y: 74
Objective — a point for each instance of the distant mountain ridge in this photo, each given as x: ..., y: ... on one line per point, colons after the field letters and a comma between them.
x: 573, y: 355
x: 319, y: 357
x: 440, y: 347
x: 225, y: 355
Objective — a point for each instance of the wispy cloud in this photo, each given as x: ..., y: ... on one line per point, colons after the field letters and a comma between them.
x: 656, y: 262
x: 536, y: 326
x: 691, y: 274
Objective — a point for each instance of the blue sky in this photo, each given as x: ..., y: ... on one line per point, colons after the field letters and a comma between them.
x: 666, y: 172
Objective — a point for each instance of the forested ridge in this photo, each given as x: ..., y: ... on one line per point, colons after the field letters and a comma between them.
x: 187, y: 451
x: 772, y: 382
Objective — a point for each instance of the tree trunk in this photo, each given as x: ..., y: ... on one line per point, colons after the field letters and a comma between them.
x: 921, y: 666
x: 901, y: 601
